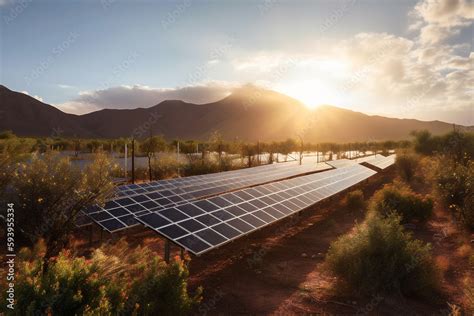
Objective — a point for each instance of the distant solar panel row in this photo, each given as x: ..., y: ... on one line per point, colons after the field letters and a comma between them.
x: 382, y: 162
x: 120, y: 213
x: 341, y: 163
x: 202, y: 225
x: 175, y: 183
x: 167, y: 184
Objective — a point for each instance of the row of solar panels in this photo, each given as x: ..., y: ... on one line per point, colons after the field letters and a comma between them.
x: 199, y: 225
x: 168, y: 184
x: 202, y: 225
x: 381, y: 162
x: 121, y: 212
x: 341, y: 163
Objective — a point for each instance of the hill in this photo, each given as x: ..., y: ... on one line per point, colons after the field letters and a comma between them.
x: 248, y: 113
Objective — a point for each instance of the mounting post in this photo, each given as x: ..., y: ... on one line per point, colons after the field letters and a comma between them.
x: 133, y: 160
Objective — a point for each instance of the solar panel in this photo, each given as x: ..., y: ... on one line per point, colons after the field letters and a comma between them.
x: 341, y: 163
x: 216, y: 221
x: 116, y: 211
x: 382, y: 162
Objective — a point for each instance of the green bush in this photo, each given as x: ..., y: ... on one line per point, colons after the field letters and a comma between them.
x: 401, y: 199
x: 48, y: 193
x: 116, y: 280
x: 355, y: 201
x: 379, y: 256
x: 455, y: 185
x: 406, y: 166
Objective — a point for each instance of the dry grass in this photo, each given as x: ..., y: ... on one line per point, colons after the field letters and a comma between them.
x: 464, y: 251
x: 442, y: 262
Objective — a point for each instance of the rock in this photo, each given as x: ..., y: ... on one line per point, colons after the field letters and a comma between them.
x: 304, y: 255
x: 313, y: 256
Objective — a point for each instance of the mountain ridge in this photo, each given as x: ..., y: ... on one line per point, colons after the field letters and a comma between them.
x: 249, y: 114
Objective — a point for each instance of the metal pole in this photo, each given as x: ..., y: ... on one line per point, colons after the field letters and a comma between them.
x: 133, y: 160
x: 126, y: 161
x: 177, y: 157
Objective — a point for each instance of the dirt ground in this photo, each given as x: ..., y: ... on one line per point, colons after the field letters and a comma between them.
x: 279, y: 269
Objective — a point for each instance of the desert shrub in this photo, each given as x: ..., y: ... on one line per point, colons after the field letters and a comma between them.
x: 457, y: 145
x: 164, y: 167
x: 379, y: 256
x: 406, y: 166
x: 162, y: 290
x: 48, y: 193
x: 401, y: 199
x: 115, y: 280
x: 354, y: 201
x: 455, y: 185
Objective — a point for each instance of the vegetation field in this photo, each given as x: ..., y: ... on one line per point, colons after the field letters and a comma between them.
x: 397, y: 243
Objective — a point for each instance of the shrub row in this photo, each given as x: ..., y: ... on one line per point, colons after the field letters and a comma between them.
x: 116, y: 280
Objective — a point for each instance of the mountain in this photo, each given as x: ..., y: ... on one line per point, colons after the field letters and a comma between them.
x: 249, y: 113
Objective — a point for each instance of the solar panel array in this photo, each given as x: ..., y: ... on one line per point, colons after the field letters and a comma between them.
x: 382, y: 162
x: 202, y: 225
x: 120, y: 213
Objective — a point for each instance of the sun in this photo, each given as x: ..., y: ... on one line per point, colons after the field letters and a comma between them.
x: 318, y: 83
x: 314, y: 92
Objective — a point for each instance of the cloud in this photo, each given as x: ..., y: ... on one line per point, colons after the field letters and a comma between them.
x: 65, y: 86
x: 438, y: 20
x: 446, y: 13
x: 136, y: 96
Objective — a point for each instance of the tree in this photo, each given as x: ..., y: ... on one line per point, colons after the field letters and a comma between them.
x: 287, y: 147
x: 217, y: 144
x: 301, y: 149
x: 48, y: 193
x: 249, y: 150
x: 150, y: 146
x: 424, y: 143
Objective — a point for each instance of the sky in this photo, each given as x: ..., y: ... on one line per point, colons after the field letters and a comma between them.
x: 398, y: 58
